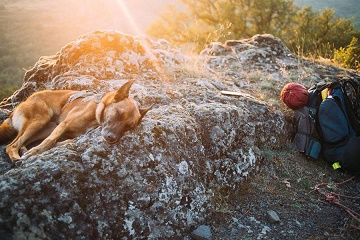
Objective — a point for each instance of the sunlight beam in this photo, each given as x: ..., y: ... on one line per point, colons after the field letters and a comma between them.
x: 137, y: 30
x: 128, y: 16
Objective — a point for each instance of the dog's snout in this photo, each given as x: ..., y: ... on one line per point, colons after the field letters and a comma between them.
x: 110, y: 137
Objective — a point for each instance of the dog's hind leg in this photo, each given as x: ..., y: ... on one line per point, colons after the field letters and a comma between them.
x: 42, y: 134
x: 27, y: 131
x: 39, y: 136
x: 49, y: 142
x: 73, y: 122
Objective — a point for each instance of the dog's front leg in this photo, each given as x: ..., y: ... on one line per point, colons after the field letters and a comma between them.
x: 62, y: 143
x: 49, y: 142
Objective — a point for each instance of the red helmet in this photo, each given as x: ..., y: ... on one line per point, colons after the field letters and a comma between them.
x: 294, y: 95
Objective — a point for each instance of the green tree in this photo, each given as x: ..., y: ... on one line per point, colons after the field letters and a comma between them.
x: 305, y: 32
x: 271, y: 16
x: 319, y: 33
x: 205, y: 21
x: 344, y: 8
x: 349, y: 57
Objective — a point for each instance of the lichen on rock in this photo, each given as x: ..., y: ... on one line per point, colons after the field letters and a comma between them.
x: 161, y: 179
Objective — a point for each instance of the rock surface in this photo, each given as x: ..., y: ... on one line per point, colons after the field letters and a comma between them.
x: 273, y: 217
x: 202, y: 233
x: 160, y: 180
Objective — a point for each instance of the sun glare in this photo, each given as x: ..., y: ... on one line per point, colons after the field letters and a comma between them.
x: 128, y: 16
x: 134, y: 25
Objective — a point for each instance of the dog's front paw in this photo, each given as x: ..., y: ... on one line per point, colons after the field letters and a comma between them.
x: 23, y: 150
x: 31, y: 152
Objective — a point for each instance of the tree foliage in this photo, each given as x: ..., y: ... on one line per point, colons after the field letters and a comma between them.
x: 349, y: 57
x: 304, y: 31
x: 343, y: 8
x: 319, y: 33
x: 205, y: 21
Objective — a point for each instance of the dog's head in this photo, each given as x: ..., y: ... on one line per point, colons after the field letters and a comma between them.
x: 117, y: 113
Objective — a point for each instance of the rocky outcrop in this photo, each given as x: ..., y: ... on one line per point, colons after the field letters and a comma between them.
x: 264, y: 52
x: 161, y: 179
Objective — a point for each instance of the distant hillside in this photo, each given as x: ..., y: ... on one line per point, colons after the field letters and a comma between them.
x: 344, y: 8
x: 30, y: 29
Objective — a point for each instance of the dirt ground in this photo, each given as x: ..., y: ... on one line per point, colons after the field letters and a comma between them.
x: 286, y: 184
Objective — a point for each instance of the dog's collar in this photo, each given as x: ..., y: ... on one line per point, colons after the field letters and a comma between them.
x: 86, y: 95
x: 98, y: 97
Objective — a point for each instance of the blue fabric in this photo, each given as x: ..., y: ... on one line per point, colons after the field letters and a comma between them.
x: 352, y: 155
x: 335, y: 127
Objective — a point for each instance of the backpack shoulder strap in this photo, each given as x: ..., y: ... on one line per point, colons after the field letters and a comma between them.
x: 351, y: 92
x: 321, y: 86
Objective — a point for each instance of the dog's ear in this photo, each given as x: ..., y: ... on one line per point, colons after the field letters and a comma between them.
x: 99, y: 111
x: 143, y: 111
x: 123, y: 92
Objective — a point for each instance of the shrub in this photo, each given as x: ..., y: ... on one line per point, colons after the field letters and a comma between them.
x: 349, y: 57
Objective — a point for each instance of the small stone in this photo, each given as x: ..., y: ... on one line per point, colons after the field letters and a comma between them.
x: 202, y: 233
x: 272, y: 216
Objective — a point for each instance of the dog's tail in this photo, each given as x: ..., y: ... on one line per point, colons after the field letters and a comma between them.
x: 7, y: 131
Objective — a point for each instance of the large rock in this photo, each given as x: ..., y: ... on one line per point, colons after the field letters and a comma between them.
x: 161, y: 179
x: 264, y: 52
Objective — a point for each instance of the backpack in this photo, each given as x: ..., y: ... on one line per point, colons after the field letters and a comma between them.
x: 306, y: 139
x: 329, y: 120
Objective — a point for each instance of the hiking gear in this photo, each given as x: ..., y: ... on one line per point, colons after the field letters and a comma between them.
x: 306, y: 138
x: 331, y: 121
x: 334, y: 127
x: 351, y: 89
x: 294, y: 95
x: 336, y: 165
x: 335, y: 198
x: 352, y: 155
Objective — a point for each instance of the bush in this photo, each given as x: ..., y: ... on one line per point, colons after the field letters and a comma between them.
x: 349, y: 57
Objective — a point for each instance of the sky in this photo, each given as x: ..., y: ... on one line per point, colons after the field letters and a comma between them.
x: 127, y: 16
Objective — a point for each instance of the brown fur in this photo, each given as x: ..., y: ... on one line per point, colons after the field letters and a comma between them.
x: 49, y: 115
x: 7, y: 132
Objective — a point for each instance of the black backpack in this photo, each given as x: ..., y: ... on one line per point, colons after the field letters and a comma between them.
x: 329, y: 121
